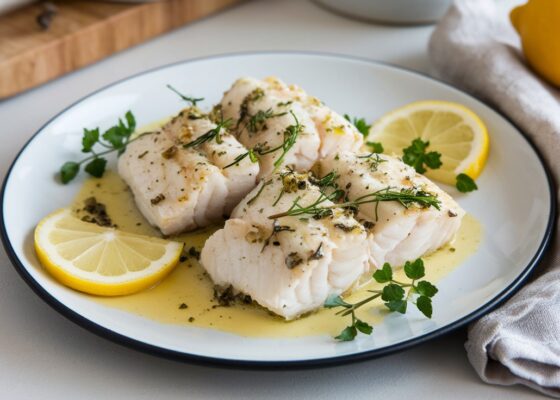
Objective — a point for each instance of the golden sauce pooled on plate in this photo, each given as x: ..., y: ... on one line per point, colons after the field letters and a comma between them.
x: 186, y: 296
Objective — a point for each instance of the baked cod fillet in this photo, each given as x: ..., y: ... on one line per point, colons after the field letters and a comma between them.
x: 179, y: 184
x: 398, y: 230
x: 288, y: 264
x: 263, y: 109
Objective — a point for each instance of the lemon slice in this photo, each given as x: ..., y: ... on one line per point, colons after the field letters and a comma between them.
x: 102, y: 261
x: 452, y: 130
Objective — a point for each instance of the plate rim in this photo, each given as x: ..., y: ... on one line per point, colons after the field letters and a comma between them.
x: 151, y: 349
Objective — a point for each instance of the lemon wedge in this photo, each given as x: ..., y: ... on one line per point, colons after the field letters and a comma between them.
x: 99, y: 260
x: 452, y: 130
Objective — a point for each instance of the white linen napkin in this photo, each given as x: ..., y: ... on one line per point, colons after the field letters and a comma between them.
x: 475, y: 48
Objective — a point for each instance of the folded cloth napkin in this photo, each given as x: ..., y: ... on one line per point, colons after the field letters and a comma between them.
x: 475, y: 47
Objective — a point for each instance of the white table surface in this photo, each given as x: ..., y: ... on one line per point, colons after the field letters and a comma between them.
x: 45, y: 356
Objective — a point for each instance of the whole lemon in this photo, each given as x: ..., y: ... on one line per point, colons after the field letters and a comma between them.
x: 538, y: 25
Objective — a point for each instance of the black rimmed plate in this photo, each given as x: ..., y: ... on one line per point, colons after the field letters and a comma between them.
x: 515, y: 205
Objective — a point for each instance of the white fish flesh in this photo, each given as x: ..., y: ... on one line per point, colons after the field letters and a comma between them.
x: 397, y: 232
x: 179, y: 189
x: 263, y: 109
x: 287, y: 264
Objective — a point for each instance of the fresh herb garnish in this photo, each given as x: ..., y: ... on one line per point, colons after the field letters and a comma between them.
x: 416, y: 156
x: 291, y: 134
x: 360, y: 124
x: 376, y: 147
x: 192, y: 100
x: 113, y: 139
x: 465, y: 183
x: 396, y: 296
x: 327, y: 181
x: 257, y: 121
x: 213, y: 133
x: 252, y: 200
x: 406, y: 197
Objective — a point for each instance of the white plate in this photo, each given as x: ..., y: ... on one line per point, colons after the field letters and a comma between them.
x: 515, y: 205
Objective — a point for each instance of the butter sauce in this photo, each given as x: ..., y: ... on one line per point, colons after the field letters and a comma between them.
x: 185, y: 297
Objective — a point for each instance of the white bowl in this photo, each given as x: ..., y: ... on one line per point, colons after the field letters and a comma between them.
x: 390, y: 11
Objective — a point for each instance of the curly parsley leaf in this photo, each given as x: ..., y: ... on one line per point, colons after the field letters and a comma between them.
x: 360, y: 124
x: 465, y: 183
x: 416, y: 156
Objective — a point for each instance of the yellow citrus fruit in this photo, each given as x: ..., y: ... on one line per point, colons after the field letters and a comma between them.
x: 452, y: 130
x: 99, y: 260
x: 538, y: 25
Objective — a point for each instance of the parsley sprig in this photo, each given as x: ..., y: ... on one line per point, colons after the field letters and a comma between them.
x: 395, y: 295
x: 417, y: 156
x: 116, y: 138
x: 360, y: 123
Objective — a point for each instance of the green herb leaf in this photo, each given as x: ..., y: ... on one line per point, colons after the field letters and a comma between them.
x: 397, y: 306
x: 406, y: 197
x: 425, y: 288
x: 91, y: 136
x: 375, y: 147
x: 384, y: 274
x: 68, y: 171
x: 212, y: 134
x: 347, y: 334
x: 131, y: 121
x: 335, y: 301
x: 424, y: 304
x: 96, y: 167
x: 392, y: 292
x: 465, y: 183
x: 396, y: 296
x: 363, y: 327
x: 415, y: 155
x: 192, y: 100
x: 114, y: 139
x: 360, y: 124
x: 414, y: 269
x: 433, y: 160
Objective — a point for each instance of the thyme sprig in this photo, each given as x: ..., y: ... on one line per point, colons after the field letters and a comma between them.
x: 188, y: 99
x: 396, y: 296
x: 116, y: 138
x: 214, y: 133
x: 257, y: 121
x: 291, y: 134
x: 405, y: 196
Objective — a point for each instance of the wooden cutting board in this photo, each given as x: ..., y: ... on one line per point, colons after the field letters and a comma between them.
x: 83, y: 32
